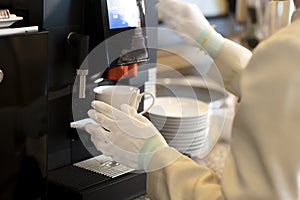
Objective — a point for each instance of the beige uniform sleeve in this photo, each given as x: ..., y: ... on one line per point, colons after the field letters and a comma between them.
x: 231, y: 60
x: 264, y: 162
x: 183, y: 180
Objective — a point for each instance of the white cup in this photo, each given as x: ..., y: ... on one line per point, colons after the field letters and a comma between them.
x: 116, y: 95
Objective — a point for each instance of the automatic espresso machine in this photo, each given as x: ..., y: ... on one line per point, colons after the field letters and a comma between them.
x: 46, y: 74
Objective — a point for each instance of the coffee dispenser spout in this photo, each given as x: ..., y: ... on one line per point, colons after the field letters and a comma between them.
x: 82, y: 73
x: 121, y: 72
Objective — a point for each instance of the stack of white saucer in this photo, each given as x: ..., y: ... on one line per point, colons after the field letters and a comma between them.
x: 183, y: 122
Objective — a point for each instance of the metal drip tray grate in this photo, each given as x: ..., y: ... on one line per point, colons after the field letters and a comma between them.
x: 104, y: 165
x: 86, y: 181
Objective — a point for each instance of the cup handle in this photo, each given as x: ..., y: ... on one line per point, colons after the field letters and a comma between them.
x: 152, y: 103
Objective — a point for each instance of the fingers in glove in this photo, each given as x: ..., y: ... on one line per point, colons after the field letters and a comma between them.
x: 98, y: 131
x: 101, y: 119
x: 108, y: 110
x: 131, y: 111
x: 108, y: 126
x: 100, y: 138
x: 172, y: 8
x: 101, y: 145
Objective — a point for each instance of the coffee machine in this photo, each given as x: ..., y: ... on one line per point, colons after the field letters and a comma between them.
x: 47, y: 73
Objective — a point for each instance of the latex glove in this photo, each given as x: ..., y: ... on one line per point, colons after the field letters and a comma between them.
x: 188, y: 20
x: 128, y: 137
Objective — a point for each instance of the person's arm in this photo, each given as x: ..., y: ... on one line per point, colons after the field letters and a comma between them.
x: 189, y: 22
x: 183, y: 179
x: 131, y: 139
x: 263, y: 162
x: 231, y: 60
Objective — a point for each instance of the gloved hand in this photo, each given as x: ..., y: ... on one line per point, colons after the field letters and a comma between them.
x: 188, y: 20
x: 128, y: 137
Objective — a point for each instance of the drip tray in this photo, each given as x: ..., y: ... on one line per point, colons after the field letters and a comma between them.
x: 104, y: 165
x: 74, y: 183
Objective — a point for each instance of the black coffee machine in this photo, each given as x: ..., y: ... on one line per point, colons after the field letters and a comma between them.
x: 44, y: 74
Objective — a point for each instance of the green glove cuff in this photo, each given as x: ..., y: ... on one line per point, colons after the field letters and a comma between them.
x: 210, y: 41
x: 156, y: 154
x: 152, y: 145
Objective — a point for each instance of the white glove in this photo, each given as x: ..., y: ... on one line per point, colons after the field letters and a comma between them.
x: 188, y: 20
x: 128, y: 137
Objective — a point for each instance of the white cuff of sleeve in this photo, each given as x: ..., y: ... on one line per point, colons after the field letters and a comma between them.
x: 211, y: 41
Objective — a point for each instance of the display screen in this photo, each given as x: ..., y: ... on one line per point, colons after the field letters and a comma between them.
x: 123, y: 14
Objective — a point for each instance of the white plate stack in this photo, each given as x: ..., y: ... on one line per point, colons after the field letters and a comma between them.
x: 183, y: 122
